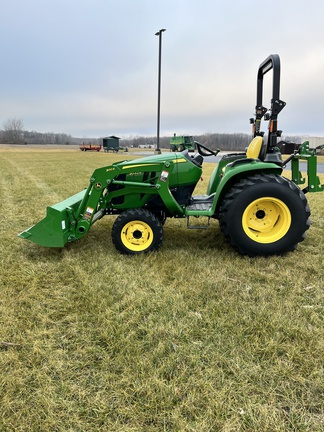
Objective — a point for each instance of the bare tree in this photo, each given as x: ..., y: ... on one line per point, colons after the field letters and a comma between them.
x: 13, y: 131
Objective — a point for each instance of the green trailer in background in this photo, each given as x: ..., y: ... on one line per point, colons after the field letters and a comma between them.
x: 111, y: 143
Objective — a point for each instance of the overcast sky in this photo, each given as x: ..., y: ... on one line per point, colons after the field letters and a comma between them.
x: 89, y: 68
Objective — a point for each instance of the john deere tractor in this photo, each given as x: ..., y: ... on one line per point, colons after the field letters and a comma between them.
x: 260, y: 212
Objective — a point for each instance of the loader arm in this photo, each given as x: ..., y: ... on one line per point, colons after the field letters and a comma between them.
x: 98, y: 200
x: 71, y: 219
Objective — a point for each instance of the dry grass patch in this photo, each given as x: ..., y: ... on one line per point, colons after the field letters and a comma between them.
x: 191, y: 338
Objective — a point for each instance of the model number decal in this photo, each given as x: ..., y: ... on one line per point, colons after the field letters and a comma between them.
x: 88, y: 213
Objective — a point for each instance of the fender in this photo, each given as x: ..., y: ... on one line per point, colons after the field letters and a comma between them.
x: 237, y: 170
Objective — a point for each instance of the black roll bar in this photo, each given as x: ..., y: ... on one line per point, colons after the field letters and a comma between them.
x: 270, y: 63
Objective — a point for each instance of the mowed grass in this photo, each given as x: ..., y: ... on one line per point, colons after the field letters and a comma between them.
x: 193, y: 337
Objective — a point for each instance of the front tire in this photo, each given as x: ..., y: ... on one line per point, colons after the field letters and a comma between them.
x: 136, y: 231
x: 264, y: 215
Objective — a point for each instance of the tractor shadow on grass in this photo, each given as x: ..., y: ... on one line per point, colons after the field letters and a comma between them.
x: 176, y: 237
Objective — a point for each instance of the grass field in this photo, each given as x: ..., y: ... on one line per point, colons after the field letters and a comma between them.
x: 191, y: 338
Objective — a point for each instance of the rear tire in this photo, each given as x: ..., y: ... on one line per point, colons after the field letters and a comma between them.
x: 136, y: 231
x: 264, y: 215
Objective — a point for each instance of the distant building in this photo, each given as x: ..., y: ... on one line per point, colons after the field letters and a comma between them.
x: 147, y: 146
x: 315, y: 142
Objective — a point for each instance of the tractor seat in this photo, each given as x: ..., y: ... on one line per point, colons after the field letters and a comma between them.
x: 196, y: 159
x: 256, y: 149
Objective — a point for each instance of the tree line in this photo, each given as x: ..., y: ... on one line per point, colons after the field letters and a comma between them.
x: 222, y: 141
x: 13, y: 133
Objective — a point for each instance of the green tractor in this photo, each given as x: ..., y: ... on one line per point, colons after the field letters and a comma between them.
x: 180, y: 143
x: 260, y: 212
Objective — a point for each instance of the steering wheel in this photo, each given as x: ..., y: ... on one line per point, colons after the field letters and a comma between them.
x: 205, y: 151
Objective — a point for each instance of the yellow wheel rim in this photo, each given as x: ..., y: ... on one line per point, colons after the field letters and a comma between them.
x: 266, y: 220
x: 137, y: 236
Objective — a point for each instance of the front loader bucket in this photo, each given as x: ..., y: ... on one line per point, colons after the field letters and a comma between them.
x: 56, y: 229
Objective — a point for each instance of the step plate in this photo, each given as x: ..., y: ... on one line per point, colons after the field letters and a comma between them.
x: 200, y: 206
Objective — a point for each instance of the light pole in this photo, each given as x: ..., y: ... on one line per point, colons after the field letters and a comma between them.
x: 159, y: 33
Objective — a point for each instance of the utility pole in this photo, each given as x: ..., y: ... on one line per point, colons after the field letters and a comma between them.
x: 159, y: 33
